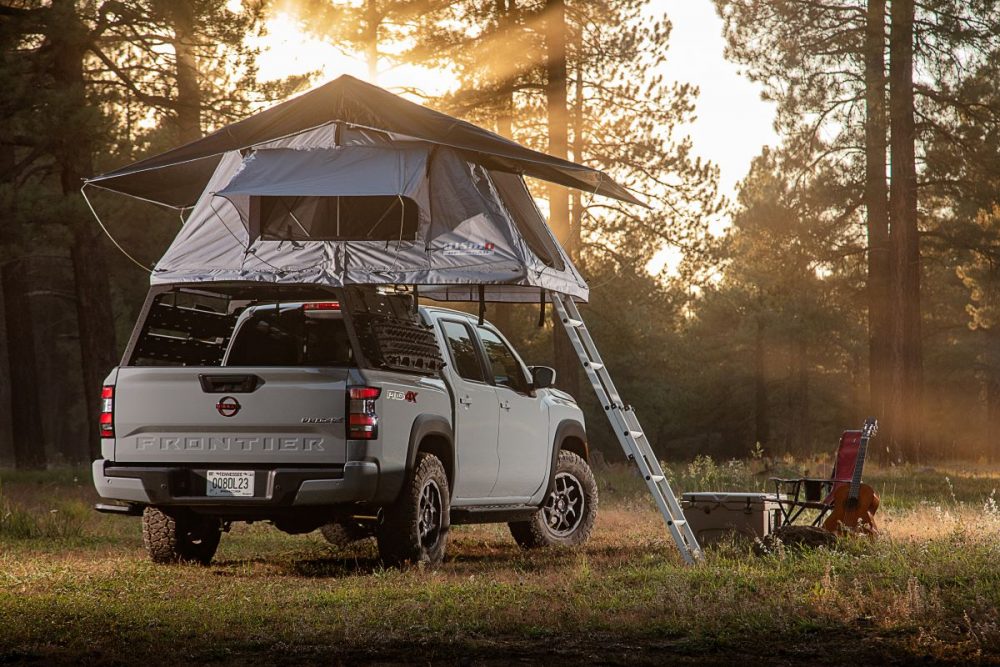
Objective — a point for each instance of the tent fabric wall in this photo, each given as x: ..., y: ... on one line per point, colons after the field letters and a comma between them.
x: 470, y: 236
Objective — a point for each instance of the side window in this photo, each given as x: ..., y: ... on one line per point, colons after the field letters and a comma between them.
x: 463, y: 351
x: 507, y: 370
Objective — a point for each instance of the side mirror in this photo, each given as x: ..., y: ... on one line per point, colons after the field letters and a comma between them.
x: 542, y: 377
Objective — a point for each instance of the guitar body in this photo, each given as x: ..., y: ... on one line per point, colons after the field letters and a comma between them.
x: 853, y: 514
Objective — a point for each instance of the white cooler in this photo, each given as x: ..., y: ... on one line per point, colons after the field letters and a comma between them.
x: 715, y: 516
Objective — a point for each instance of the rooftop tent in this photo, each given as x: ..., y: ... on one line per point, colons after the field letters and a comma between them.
x: 349, y: 184
x: 368, y: 211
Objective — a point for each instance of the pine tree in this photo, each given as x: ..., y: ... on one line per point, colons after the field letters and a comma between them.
x: 185, y: 63
x: 825, y: 66
x: 604, y: 111
x: 77, y: 67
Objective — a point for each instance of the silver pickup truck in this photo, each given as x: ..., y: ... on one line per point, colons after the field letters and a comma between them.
x: 359, y: 415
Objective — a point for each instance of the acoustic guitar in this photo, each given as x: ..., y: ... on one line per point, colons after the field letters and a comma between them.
x: 854, y: 505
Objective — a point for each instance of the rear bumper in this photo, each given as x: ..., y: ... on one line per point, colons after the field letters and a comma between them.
x: 354, y: 482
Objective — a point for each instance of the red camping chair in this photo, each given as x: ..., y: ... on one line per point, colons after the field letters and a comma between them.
x: 798, y: 495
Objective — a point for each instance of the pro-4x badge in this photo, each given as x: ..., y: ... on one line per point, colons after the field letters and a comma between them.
x: 409, y: 396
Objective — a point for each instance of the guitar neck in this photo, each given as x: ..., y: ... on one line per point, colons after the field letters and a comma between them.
x: 859, y: 463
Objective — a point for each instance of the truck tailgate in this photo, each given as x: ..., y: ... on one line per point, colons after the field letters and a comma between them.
x: 230, y: 415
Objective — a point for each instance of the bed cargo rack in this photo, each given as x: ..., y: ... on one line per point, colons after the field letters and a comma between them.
x: 185, y: 334
x: 391, y: 333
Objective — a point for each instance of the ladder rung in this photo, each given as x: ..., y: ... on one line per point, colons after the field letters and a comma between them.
x: 636, y: 434
x: 679, y: 522
x: 570, y: 322
x: 596, y: 365
x: 657, y: 478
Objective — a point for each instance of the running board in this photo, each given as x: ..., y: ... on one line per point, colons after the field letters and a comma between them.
x: 491, y: 514
x: 626, y: 426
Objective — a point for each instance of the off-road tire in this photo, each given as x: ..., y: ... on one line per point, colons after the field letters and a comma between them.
x: 399, y: 539
x: 538, y: 532
x: 179, y: 536
x: 341, y: 534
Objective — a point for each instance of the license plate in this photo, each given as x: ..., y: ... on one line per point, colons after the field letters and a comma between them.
x: 230, y: 483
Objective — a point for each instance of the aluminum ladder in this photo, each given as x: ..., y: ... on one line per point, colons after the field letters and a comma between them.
x: 626, y: 426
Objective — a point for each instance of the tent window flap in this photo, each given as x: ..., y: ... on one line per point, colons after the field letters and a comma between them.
x: 355, y: 218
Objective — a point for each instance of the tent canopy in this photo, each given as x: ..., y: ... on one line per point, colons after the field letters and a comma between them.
x: 177, y: 177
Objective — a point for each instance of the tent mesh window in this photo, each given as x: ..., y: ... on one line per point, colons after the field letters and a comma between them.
x: 356, y: 218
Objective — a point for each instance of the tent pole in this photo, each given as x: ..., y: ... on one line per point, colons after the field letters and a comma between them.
x: 482, y: 304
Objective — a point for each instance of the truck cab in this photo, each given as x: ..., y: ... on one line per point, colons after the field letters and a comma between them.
x: 360, y: 415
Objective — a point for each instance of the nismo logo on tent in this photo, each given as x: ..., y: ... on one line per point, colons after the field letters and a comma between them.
x: 469, y: 248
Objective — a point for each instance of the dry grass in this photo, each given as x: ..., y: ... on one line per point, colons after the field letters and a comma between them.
x: 927, y: 590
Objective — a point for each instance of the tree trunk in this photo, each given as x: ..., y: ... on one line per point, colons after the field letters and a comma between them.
x: 372, y: 21
x: 579, y: 123
x: 504, y: 79
x: 877, y: 207
x: 800, y: 419
x: 98, y: 349
x: 68, y: 40
x: 503, y: 312
x: 993, y: 415
x: 189, y: 101
x: 762, y: 431
x: 907, y: 367
x: 992, y: 381
x: 558, y: 115
x: 798, y: 391
x: 26, y: 427
x: 558, y: 130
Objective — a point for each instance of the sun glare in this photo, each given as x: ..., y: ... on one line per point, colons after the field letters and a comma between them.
x: 286, y: 50
x: 666, y: 261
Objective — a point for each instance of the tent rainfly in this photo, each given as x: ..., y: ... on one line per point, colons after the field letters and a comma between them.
x: 349, y: 184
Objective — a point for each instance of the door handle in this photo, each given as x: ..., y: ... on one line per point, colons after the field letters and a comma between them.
x: 465, y: 401
x: 505, y: 405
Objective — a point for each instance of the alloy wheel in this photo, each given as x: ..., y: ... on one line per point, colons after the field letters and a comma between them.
x: 564, y: 508
x: 429, y: 515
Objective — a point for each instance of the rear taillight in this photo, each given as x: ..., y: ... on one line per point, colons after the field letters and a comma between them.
x: 362, y: 421
x: 107, y: 419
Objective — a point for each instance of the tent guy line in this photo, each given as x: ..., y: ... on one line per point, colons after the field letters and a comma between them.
x: 83, y: 191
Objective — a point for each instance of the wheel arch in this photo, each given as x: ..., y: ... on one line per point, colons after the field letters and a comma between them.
x: 572, y: 437
x: 432, y: 434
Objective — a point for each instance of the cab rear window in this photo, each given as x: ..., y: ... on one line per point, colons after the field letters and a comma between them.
x: 290, y: 338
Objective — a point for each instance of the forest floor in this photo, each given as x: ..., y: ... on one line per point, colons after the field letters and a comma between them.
x: 75, y: 586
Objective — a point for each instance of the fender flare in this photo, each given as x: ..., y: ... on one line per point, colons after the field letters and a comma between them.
x: 425, y: 425
x: 566, y: 428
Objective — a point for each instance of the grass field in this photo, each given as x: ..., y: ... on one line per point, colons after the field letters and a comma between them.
x: 75, y: 587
